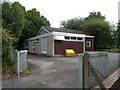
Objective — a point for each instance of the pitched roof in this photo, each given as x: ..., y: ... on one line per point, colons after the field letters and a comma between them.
x: 51, y: 29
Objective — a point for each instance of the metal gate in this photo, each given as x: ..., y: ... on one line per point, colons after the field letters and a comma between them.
x: 93, y: 69
x: 21, y: 60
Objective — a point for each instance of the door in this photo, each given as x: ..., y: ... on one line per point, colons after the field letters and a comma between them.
x: 44, y: 45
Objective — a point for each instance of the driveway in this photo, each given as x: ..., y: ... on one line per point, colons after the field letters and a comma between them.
x: 53, y: 72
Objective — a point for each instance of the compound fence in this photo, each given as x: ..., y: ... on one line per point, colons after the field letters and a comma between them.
x: 93, y: 69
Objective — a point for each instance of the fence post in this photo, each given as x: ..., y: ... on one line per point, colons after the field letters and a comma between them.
x: 85, y: 70
x: 93, y: 69
x: 18, y: 72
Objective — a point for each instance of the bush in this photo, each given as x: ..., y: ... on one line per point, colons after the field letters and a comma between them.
x: 6, y: 48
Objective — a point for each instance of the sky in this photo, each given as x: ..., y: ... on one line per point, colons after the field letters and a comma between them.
x: 59, y: 10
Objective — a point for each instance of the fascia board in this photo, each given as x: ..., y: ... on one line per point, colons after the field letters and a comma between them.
x: 42, y: 28
x: 90, y: 36
x: 39, y: 31
x: 40, y: 36
x: 60, y: 34
x: 67, y: 34
x: 45, y: 29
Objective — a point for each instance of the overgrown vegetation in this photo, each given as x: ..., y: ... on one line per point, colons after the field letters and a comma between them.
x: 7, y: 42
x: 19, y: 24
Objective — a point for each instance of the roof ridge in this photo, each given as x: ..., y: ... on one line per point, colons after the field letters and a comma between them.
x: 51, y: 29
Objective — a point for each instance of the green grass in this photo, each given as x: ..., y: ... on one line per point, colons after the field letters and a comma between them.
x: 25, y: 70
x: 108, y: 50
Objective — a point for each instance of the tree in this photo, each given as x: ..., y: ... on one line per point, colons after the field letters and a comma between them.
x: 18, y: 25
x: 101, y: 30
x: 75, y: 23
x: 21, y: 24
x: 6, y: 48
x: 33, y: 22
x: 113, y: 31
x: 118, y: 35
x: 13, y: 18
x: 96, y: 25
x: 6, y: 15
x: 95, y: 15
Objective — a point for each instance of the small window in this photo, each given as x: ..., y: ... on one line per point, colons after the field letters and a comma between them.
x: 37, y: 40
x: 73, y: 38
x: 68, y: 38
x: 33, y: 43
x: 88, y: 43
x: 79, y: 38
x: 33, y: 46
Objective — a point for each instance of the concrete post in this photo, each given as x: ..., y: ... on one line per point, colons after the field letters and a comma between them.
x: 85, y: 70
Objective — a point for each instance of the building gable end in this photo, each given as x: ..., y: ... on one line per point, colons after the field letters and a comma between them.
x: 42, y: 31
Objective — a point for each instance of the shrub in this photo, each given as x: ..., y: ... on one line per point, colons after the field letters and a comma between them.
x: 6, y: 48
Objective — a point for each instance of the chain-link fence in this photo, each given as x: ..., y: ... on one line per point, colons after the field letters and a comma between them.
x: 93, y: 68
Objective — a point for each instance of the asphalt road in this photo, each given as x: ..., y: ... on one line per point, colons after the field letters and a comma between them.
x: 54, y: 72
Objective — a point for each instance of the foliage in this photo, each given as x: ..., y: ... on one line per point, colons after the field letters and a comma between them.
x: 13, y: 18
x: 6, y: 48
x: 75, y: 23
x: 25, y: 70
x: 96, y: 25
x: 101, y: 30
x: 21, y: 24
x: 95, y: 15
x: 33, y: 22
x: 114, y: 35
x: 118, y: 35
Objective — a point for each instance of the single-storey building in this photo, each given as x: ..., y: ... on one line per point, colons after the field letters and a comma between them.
x: 54, y: 41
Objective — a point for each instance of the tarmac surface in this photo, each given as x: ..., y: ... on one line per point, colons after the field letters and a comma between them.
x: 54, y: 72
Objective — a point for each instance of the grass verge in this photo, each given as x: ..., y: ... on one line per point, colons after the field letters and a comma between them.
x: 108, y: 50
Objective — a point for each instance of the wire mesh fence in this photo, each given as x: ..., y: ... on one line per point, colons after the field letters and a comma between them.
x: 100, y: 63
x: 94, y: 66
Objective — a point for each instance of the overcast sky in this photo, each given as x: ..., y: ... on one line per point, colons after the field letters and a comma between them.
x: 58, y: 10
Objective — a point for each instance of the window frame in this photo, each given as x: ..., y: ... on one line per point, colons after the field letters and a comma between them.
x: 70, y: 38
x: 88, y: 44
